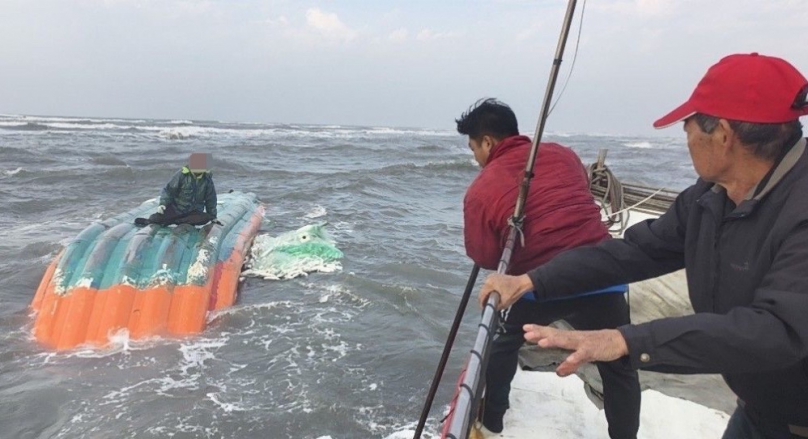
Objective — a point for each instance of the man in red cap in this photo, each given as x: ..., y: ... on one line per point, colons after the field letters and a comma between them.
x: 740, y: 232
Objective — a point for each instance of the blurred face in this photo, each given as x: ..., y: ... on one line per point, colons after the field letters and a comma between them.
x: 199, y: 164
x: 481, y: 149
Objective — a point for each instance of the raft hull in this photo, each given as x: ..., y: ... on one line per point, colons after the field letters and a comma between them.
x: 149, y: 281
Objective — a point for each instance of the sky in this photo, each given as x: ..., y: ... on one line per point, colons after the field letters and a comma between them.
x: 413, y: 63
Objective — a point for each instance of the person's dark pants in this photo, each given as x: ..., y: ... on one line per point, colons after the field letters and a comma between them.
x: 171, y: 216
x: 746, y: 425
x: 621, y: 386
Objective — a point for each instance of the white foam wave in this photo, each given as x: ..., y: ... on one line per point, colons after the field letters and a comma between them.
x: 195, y: 354
x: 403, y: 132
x: 85, y: 120
x: 119, y: 342
x: 185, y: 129
x: 80, y: 126
x: 641, y: 145
x: 239, y: 309
x: 343, y: 227
x: 407, y: 431
x: 228, y: 407
x: 13, y: 171
x: 185, y: 132
x: 338, y: 294
x: 554, y: 134
x: 317, y: 212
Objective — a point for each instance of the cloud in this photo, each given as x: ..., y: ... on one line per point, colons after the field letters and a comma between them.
x: 529, y: 32
x: 398, y: 35
x: 655, y: 7
x: 329, y: 26
x: 171, y: 8
x: 196, y: 7
x: 641, y: 8
x: 281, y: 21
x: 430, y: 35
x: 644, y: 55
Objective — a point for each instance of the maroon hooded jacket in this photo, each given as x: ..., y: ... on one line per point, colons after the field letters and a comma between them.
x: 560, y: 212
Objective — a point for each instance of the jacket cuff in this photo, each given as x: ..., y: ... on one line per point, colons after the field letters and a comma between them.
x: 538, y: 286
x: 641, y: 347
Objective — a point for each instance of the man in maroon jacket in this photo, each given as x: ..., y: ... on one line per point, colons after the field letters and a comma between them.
x: 560, y: 214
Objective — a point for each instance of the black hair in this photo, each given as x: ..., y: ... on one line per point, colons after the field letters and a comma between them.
x: 767, y: 141
x: 488, y: 117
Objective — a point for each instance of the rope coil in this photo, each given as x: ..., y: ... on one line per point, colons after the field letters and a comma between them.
x: 617, y: 199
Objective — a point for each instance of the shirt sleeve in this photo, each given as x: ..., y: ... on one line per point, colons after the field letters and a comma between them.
x: 769, y: 334
x: 171, y: 189
x: 210, y: 199
x: 482, y: 236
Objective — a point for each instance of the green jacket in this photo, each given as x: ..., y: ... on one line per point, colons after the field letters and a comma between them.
x: 190, y: 194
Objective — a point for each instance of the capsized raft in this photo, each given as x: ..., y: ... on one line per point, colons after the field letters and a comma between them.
x: 151, y: 281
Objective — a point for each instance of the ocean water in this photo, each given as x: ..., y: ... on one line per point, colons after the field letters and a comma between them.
x: 348, y: 354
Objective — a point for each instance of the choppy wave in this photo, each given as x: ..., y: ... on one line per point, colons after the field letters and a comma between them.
x: 317, y: 212
x: 186, y: 129
x: 23, y: 126
x: 327, y: 355
x: 462, y: 164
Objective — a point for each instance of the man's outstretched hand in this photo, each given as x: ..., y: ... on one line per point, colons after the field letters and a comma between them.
x: 586, y: 346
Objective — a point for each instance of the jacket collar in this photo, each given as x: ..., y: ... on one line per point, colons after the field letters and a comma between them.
x: 187, y: 171
x: 785, y: 163
x: 505, y: 145
x: 779, y: 171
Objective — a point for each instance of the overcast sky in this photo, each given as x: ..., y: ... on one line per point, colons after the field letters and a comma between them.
x: 413, y: 63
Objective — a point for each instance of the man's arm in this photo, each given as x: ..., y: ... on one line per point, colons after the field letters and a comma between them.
x: 771, y: 333
x: 210, y: 199
x: 649, y: 249
x: 169, y: 193
x: 482, y: 239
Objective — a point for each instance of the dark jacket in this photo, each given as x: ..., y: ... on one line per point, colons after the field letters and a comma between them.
x: 189, y: 194
x: 560, y: 212
x: 747, y: 274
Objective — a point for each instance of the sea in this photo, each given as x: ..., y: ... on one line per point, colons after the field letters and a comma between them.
x: 346, y: 354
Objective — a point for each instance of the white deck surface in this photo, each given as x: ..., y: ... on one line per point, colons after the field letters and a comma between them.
x: 546, y: 406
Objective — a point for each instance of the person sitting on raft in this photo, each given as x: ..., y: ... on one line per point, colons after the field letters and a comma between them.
x: 190, y: 196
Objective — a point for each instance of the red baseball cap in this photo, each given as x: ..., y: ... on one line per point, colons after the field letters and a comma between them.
x: 746, y: 88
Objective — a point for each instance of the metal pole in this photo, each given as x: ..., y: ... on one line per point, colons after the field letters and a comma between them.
x: 472, y: 383
x: 447, y: 349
